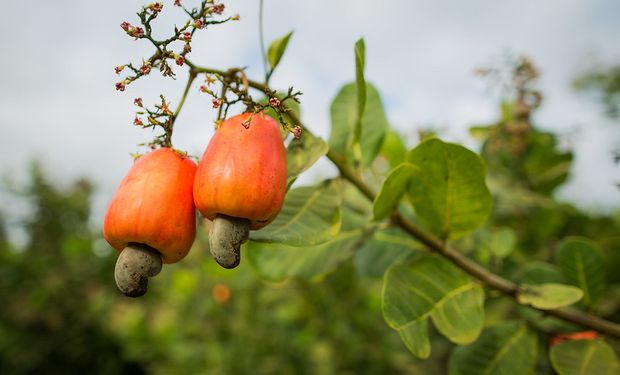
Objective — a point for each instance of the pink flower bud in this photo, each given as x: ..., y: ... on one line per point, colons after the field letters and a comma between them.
x: 156, y: 7
x: 177, y: 3
x: 137, y: 121
x: 125, y: 26
x: 119, y: 69
x: 218, y: 8
x: 274, y: 102
x: 199, y: 24
x: 186, y: 36
x: 145, y: 69
x: 138, y: 32
x: 120, y: 86
x: 165, y: 109
x: 296, y: 132
x: 180, y: 60
x: 217, y: 103
x: 138, y: 102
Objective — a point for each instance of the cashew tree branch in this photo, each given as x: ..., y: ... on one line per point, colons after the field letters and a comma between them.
x: 434, y: 244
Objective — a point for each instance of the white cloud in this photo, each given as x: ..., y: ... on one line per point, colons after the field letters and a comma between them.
x: 58, y: 100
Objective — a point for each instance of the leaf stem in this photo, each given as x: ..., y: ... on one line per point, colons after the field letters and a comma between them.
x: 173, y: 119
x: 190, y: 80
x: 262, y: 41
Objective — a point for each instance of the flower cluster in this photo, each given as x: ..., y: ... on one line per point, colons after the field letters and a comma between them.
x: 278, y: 103
x: 209, y: 13
x: 133, y: 31
x: 235, y: 85
x: 225, y: 88
x: 160, y: 117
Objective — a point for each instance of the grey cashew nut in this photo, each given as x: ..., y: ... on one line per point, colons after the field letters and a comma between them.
x: 135, y: 264
x: 225, y: 238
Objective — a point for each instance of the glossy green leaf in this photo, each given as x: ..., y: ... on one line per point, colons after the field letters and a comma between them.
x: 301, y: 154
x: 310, y: 216
x: 429, y: 286
x: 280, y: 261
x: 392, y: 190
x: 276, y: 50
x: 344, y: 116
x: 581, y: 261
x: 393, y: 148
x: 537, y: 273
x: 548, y: 296
x: 415, y: 337
x: 507, y: 349
x: 450, y: 196
x: 384, y: 248
x: 584, y: 357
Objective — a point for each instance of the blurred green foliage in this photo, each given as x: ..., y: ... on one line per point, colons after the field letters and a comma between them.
x: 47, y: 324
x: 606, y: 82
x: 62, y: 313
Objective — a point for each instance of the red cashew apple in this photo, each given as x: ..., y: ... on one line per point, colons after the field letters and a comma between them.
x: 151, y: 218
x: 240, y: 182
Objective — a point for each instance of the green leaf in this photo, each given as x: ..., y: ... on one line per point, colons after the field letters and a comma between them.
x: 548, y: 296
x: 581, y: 261
x: 502, y: 349
x: 360, y: 61
x: 392, y: 190
x: 344, y: 116
x: 429, y: 286
x: 451, y: 196
x: 279, y: 261
x: 310, y: 216
x: 415, y: 337
x: 301, y: 154
x: 584, y: 357
x: 276, y: 50
x: 384, y: 248
x: 352, y: 198
x: 536, y: 273
x: 393, y: 148
x: 546, y: 167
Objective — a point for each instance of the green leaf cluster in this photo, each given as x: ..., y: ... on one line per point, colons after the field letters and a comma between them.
x: 497, y: 207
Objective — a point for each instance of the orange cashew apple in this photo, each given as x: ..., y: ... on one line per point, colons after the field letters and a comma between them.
x: 240, y: 182
x: 151, y: 218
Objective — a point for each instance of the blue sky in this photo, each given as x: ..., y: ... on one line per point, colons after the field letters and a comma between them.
x: 59, y: 104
